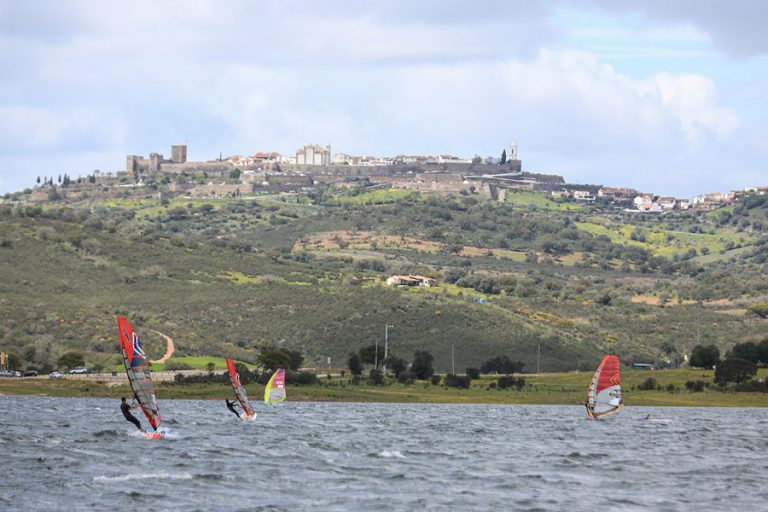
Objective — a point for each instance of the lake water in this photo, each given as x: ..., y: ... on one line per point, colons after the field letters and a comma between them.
x: 80, y: 454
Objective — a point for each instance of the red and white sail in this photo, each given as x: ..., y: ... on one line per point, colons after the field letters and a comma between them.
x: 136, y: 367
x: 604, y: 391
x: 240, y: 393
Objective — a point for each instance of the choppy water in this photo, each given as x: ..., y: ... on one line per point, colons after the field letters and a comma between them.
x: 80, y: 454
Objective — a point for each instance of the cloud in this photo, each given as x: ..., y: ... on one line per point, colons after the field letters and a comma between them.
x: 105, y: 79
x: 736, y: 27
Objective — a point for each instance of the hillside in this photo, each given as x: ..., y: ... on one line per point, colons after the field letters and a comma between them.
x: 227, y: 277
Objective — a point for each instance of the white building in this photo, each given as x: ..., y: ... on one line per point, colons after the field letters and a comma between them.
x: 313, y: 154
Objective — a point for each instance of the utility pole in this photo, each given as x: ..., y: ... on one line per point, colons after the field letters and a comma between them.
x: 538, y: 360
x: 386, y: 343
x: 376, y: 354
x: 453, y: 359
x: 698, y: 324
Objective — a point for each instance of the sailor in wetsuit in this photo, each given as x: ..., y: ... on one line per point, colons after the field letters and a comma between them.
x: 231, y: 407
x: 127, y: 413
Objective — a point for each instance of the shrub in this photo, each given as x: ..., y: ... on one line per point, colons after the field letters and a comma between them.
x: 649, y: 384
x: 300, y: 378
x: 455, y: 381
x: 172, y: 366
x: 376, y: 378
x: 473, y: 373
x: 435, y: 380
x: 696, y: 386
x: 510, y: 381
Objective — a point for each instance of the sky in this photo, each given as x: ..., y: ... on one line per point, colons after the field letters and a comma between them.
x: 669, y: 97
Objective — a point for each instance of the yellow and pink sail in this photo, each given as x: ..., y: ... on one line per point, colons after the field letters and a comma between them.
x: 275, y: 390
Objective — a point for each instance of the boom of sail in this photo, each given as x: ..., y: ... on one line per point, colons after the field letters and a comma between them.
x: 240, y: 393
x: 275, y: 390
x: 604, y: 391
x: 135, y: 361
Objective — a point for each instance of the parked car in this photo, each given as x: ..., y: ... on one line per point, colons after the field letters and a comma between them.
x: 55, y: 375
x: 78, y: 370
x: 30, y: 373
x: 6, y: 373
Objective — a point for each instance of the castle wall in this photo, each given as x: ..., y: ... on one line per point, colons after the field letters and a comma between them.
x: 220, y: 167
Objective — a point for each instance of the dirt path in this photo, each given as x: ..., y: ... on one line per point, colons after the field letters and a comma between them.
x: 168, y: 350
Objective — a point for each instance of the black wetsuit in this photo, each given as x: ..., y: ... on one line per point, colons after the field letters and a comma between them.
x: 130, y: 417
x: 231, y: 407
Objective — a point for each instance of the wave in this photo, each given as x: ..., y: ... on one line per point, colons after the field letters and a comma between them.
x: 106, y: 433
x: 394, y: 454
x: 143, y: 476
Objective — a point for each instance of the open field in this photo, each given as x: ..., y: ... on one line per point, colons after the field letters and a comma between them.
x: 555, y: 388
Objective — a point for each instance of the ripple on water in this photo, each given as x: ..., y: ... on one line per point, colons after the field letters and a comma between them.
x: 400, y: 457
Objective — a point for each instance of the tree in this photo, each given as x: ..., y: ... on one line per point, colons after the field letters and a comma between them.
x: 501, y: 364
x: 211, y: 366
x: 734, y: 369
x: 71, y: 359
x: 477, y: 159
x: 14, y: 361
x: 38, y: 180
x: 762, y: 350
x: 355, y: 364
x: 242, y: 370
x: 274, y: 358
x: 296, y: 359
x: 422, y: 364
x: 473, y: 373
x: 234, y: 174
x: 376, y: 377
x: 396, y: 364
x: 747, y: 350
x: 704, y: 357
x: 503, y: 157
x: 368, y: 354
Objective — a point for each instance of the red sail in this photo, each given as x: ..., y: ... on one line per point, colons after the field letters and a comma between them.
x: 604, y: 391
x: 136, y: 367
x: 240, y: 393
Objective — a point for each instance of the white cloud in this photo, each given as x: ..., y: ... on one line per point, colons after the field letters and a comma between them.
x: 93, y: 78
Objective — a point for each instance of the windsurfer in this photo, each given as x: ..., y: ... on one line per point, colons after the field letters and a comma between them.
x: 231, y: 407
x: 127, y: 413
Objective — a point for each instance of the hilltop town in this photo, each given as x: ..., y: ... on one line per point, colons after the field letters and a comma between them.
x: 313, y: 165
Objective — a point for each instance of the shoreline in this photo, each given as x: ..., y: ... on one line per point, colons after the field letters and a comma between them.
x: 542, y: 389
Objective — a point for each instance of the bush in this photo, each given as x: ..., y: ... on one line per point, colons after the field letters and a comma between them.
x: 435, y: 380
x: 299, y: 378
x: 406, y: 377
x: 376, y: 378
x: 696, y: 386
x: 454, y: 381
x: 649, y: 385
x: 510, y: 381
x: 473, y: 373
x: 501, y: 364
x: 173, y: 366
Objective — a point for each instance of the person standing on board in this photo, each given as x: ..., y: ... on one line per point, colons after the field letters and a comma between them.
x: 231, y: 407
x: 127, y: 413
